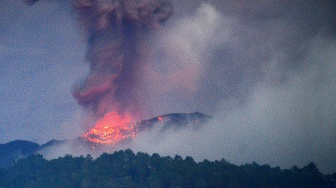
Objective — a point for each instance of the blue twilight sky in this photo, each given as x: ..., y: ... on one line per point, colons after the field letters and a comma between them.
x: 41, y: 55
x: 265, y: 69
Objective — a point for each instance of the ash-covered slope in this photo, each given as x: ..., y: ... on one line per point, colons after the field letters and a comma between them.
x: 12, y: 151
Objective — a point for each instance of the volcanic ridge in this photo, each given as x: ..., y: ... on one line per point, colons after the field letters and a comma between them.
x: 12, y: 151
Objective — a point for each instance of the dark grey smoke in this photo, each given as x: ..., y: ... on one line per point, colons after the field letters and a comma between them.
x: 116, y: 33
x: 117, y: 50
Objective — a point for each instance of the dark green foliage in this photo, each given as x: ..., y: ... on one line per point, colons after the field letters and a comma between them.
x: 127, y: 169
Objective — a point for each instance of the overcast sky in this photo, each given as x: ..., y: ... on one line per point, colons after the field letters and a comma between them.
x: 265, y: 70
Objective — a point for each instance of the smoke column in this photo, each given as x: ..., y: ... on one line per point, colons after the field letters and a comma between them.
x: 116, y: 33
x: 116, y: 37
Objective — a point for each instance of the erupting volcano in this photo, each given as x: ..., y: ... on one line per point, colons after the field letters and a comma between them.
x: 111, y: 129
x: 116, y: 33
x: 114, y: 128
x: 117, y: 51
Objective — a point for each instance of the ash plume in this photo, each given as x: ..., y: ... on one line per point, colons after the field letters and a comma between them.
x: 116, y: 34
x: 117, y: 50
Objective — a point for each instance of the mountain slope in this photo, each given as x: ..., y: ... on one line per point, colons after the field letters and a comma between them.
x: 12, y: 151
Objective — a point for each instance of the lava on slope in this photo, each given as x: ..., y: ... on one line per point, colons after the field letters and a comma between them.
x: 114, y: 129
x: 110, y: 129
x: 114, y: 138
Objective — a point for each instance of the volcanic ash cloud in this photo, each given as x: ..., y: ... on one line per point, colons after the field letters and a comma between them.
x: 116, y: 33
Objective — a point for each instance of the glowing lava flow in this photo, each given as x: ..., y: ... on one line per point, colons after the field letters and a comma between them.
x: 110, y: 129
x: 160, y: 118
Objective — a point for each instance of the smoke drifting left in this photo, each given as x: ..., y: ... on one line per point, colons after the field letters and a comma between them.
x: 117, y: 50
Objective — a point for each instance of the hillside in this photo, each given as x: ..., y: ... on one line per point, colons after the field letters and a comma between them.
x: 14, y: 150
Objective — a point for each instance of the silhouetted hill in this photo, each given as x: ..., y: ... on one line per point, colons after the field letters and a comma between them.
x: 12, y: 151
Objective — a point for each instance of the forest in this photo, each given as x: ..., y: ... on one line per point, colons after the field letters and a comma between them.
x: 128, y: 169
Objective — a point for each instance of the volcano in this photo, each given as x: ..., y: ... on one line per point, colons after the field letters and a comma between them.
x: 113, y: 128
x: 111, y: 137
x: 98, y: 142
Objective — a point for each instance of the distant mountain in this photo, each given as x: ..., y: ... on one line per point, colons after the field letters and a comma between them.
x: 12, y: 151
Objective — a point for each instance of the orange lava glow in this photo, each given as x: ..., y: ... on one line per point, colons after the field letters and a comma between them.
x: 160, y: 118
x: 111, y: 129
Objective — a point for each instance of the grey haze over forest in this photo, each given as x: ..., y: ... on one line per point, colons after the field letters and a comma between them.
x: 264, y: 69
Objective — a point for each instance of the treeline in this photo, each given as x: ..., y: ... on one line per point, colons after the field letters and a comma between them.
x: 127, y: 169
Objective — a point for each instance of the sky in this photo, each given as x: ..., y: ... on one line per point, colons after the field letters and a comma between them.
x: 265, y: 70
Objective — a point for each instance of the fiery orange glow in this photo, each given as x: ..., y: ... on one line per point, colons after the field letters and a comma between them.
x: 160, y: 118
x: 111, y: 129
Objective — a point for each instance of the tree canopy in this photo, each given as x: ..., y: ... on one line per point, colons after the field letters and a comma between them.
x: 127, y: 169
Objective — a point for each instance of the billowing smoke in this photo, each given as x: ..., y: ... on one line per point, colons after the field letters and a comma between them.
x: 116, y: 33
x: 117, y: 50
x: 264, y: 69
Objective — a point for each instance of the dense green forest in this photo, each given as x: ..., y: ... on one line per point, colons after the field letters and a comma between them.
x: 127, y: 169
